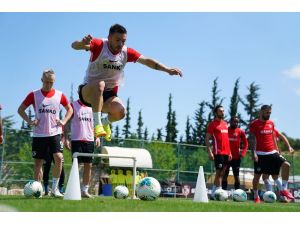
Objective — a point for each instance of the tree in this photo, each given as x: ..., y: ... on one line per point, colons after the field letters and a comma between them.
x: 126, y: 128
x: 117, y: 132
x: 251, y: 104
x: 216, y: 100
x: 199, y: 129
x: 140, y: 126
x: 169, y: 121
x: 235, y: 99
x: 174, y: 129
x: 146, y: 134
x: 159, y: 134
x: 188, y: 127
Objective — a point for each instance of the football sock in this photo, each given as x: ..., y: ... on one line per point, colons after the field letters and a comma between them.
x: 97, y: 118
x: 268, y: 185
x: 255, y: 194
x: 85, y: 188
x: 54, y: 183
x: 284, y: 184
x: 279, y: 184
x: 105, y: 121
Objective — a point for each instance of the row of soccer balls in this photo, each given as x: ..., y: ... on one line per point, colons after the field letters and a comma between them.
x: 240, y: 195
x: 147, y: 189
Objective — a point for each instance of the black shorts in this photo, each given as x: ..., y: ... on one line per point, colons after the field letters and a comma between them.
x: 106, y: 95
x: 83, y: 147
x: 221, y: 161
x: 43, y: 146
x: 235, y: 165
x: 269, y: 164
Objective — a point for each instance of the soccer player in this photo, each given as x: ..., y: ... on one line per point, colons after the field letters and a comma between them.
x: 82, y: 141
x: 268, y: 185
x: 47, y: 127
x: 220, y: 152
x: 265, y: 154
x: 1, y: 131
x: 236, y: 136
x: 105, y: 73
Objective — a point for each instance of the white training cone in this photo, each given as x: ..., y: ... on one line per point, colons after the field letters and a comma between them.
x: 73, y: 185
x: 200, y: 191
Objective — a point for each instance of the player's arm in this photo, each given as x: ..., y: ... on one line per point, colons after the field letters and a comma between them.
x: 286, y: 142
x: 158, y: 66
x: 207, y: 143
x: 84, y: 44
x: 23, y: 114
x: 252, y: 146
x: 245, y: 144
x: 68, y: 115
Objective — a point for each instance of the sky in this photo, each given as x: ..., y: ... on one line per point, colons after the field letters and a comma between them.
x: 255, y: 47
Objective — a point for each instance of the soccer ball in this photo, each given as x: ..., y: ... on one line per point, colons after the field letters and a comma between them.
x: 33, y: 189
x: 148, y: 189
x: 269, y: 197
x: 121, y: 192
x: 221, y: 195
x: 239, y: 195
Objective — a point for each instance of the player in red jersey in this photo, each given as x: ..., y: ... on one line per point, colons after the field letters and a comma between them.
x: 268, y: 185
x: 105, y: 74
x: 217, y: 131
x: 236, y: 137
x: 265, y: 154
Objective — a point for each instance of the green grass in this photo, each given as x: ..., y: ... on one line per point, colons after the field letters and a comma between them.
x: 109, y: 204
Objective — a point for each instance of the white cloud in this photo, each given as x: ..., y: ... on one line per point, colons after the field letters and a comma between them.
x: 293, y: 72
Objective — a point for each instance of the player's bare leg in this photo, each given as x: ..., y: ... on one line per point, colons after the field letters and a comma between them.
x: 87, y: 172
x: 93, y: 93
x: 115, y: 111
x: 57, y: 167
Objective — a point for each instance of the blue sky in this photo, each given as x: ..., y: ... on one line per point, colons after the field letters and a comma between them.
x: 260, y: 47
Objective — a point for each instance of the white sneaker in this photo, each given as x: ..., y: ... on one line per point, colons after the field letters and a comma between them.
x: 57, y: 194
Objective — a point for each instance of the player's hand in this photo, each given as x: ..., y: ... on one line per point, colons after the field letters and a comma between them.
x: 255, y: 157
x: 211, y: 156
x: 230, y: 157
x: 87, y: 39
x: 67, y: 144
x: 175, y: 71
x: 33, y: 122
x: 1, y: 139
x: 98, y: 143
x: 291, y: 150
x: 60, y: 122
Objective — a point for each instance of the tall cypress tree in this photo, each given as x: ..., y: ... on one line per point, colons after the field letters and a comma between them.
x: 140, y: 126
x: 251, y: 104
x: 126, y: 128
x: 174, y: 129
x: 169, y: 121
x: 146, y: 134
x: 117, y: 132
x: 216, y: 99
x: 188, y: 127
x: 199, y: 129
x: 235, y: 99
x: 159, y: 134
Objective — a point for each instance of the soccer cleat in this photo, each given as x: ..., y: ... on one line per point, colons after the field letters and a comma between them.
x: 287, y: 194
x: 85, y: 194
x: 57, y: 194
x: 257, y: 200
x: 108, y: 132
x: 284, y: 199
x: 99, y: 131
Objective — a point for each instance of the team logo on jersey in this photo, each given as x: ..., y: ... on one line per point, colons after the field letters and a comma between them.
x: 46, y: 109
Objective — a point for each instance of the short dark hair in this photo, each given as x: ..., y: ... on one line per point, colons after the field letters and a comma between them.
x: 217, y: 107
x: 234, y: 117
x: 117, y: 28
x: 265, y: 107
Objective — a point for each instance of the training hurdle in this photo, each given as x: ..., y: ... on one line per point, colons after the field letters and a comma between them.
x: 73, y: 191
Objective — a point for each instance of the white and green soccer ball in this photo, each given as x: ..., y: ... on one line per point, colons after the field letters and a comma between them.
x: 221, y: 195
x: 121, y: 192
x: 148, y: 189
x: 269, y: 197
x: 239, y: 195
x: 33, y: 189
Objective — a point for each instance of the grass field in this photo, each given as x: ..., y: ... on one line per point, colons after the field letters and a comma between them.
x: 109, y: 204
